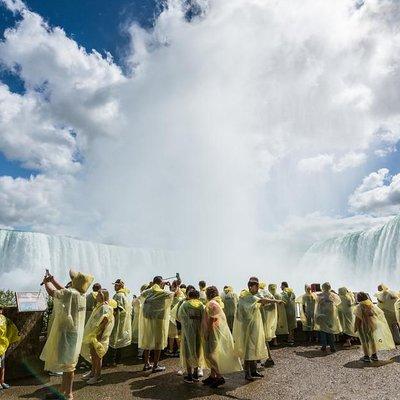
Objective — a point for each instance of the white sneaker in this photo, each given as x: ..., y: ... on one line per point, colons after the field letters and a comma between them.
x: 87, y: 376
x: 94, y: 380
x: 200, y: 372
x: 180, y: 372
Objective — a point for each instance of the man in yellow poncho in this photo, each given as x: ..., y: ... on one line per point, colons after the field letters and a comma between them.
x: 327, y: 317
x: 63, y: 345
x: 387, y: 302
x: 121, y: 335
x: 96, y: 336
x: 346, y: 314
x: 154, y: 322
x: 190, y: 315
x: 173, y: 332
x: 289, y: 299
x: 307, y: 309
x: 248, y: 329
x: 269, y: 314
x: 8, y: 336
x: 91, y: 300
x: 372, y: 328
x: 281, y: 325
x: 217, y: 341
x: 230, y: 300
x: 202, y: 290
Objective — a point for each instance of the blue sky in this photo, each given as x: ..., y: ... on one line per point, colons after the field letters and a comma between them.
x: 93, y: 24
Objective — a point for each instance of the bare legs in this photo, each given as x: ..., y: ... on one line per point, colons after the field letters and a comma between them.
x: 66, y: 384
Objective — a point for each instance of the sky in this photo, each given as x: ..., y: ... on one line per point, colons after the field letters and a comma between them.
x: 200, y: 125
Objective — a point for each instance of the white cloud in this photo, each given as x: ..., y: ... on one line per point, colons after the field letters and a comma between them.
x: 349, y: 160
x: 323, y: 162
x: 14, y: 5
x: 379, y: 194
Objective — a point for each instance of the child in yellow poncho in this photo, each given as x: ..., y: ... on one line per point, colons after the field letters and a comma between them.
x: 96, y: 335
x: 217, y: 341
x: 307, y: 308
x: 346, y: 314
x: 190, y: 315
x: 121, y: 335
x: 8, y: 336
x: 230, y: 300
x: 372, y: 328
x: 281, y: 326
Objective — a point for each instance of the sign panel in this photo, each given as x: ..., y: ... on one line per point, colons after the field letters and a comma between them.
x: 31, y: 301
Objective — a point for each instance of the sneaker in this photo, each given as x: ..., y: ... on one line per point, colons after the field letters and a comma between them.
x: 200, y: 373
x: 168, y: 353
x: 374, y: 357
x: 5, y: 386
x: 323, y: 348
x: 207, y: 381
x: 217, y: 382
x: 55, y: 373
x: 257, y: 375
x: 188, y: 379
x: 249, y: 378
x: 179, y: 373
x: 366, y: 359
x: 147, y: 367
x: 269, y: 363
x: 94, y: 380
x: 158, y: 368
x: 87, y: 376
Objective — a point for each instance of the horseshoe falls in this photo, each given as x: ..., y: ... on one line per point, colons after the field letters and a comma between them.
x: 359, y: 260
x: 24, y: 256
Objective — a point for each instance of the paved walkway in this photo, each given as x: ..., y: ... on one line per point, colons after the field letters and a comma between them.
x: 299, y: 373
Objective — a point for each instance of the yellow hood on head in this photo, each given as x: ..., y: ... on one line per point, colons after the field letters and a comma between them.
x: 81, y: 282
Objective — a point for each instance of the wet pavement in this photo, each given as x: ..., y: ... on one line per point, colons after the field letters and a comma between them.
x: 299, y: 373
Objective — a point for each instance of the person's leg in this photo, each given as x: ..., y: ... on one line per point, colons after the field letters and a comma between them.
x: 146, y: 359
x: 331, y: 341
x: 157, y: 354
x: 68, y: 380
x: 323, y: 340
x: 2, y: 373
x: 118, y: 356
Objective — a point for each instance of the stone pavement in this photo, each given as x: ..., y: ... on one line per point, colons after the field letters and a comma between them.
x: 299, y: 373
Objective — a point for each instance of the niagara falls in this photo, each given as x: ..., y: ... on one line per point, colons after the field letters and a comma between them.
x: 199, y: 198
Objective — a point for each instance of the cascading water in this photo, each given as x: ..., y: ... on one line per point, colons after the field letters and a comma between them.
x: 25, y: 255
x: 359, y: 260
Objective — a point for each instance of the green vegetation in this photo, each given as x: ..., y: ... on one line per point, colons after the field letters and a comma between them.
x: 7, y: 298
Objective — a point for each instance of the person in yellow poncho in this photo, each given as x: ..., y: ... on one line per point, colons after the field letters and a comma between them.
x: 248, y: 329
x: 269, y: 314
x: 135, y: 320
x: 63, y: 345
x: 96, y: 335
x: 346, y: 314
x: 217, y: 341
x: 387, y: 302
x: 327, y: 317
x: 121, y: 335
x: 173, y: 332
x: 91, y: 300
x: 372, y: 328
x: 289, y: 299
x: 281, y: 326
x: 190, y: 315
x: 230, y: 300
x: 8, y: 336
x: 307, y: 309
x: 202, y: 291
x: 154, y: 322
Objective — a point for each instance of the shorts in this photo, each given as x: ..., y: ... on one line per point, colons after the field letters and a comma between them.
x: 2, y: 361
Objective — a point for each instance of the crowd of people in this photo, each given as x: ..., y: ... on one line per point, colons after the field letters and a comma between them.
x: 224, y: 333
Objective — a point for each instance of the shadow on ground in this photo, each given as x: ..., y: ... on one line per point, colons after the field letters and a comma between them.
x: 312, y: 353
x: 359, y: 364
x: 167, y: 386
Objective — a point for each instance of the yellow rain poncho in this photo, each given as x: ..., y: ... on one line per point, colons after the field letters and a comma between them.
x: 190, y: 315
x: 269, y: 314
x: 307, y: 308
x: 8, y: 334
x: 248, y: 329
x: 373, y: 327
x: 346, y: 311
x: 217, y: 339
x: 326, y: 313
x: 92, y: 330
x: 230, y: 300
x: 172, y: 329
x: 91, y: 303
x: 154, y: 318
x: 121, y: 335
x: 135, y: 320
x: 282, y: 325
x: 63, y: 344
x: 289, y: 299
x: 388, y: 301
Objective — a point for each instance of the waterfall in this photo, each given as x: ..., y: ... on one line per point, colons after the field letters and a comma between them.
x: 360, y: 259
x: 24, y: 256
